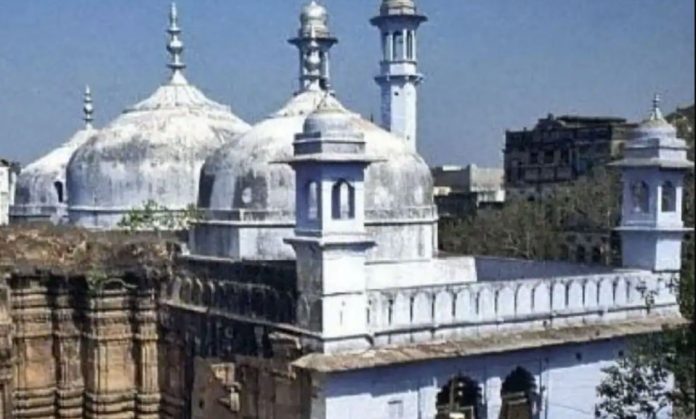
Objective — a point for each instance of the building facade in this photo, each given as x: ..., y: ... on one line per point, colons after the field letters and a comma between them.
x: 559, y: 150
x: 462, y: 191
x: 311, y: 287
x: 8, y: 181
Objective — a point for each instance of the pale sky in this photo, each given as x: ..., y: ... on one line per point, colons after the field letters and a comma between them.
x: 490, y: 65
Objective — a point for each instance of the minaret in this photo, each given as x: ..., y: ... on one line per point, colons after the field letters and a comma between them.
x: 313, y: 41
x: 175, y: 47
x: 653, y: 170
x: 399, y: 78
x: 330, y: 241
x: 88, y: 109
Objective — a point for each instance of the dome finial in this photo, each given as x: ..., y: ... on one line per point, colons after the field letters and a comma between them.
x: 656, y: 113
x: 175, y: 47
x: 88, y: 108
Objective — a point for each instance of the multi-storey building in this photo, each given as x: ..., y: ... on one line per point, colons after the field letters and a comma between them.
x: 559, y: 150
x: 462, y: 191
x: 8, y: 179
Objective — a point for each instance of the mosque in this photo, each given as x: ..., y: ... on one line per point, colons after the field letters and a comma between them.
x: 316, y: 250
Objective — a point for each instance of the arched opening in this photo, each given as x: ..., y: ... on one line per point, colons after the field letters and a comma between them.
x: 596, y: 255
x: 519, y: 395
x: 580, y: 254
x: 640, y: 196
x: 342, y: 200
x: 58, y: 185
x: 669, y: 197
x: 564, y: 252
x: 398, y: 48
x: 312, y: 201
x: 409, y: 46
x: 460, y: 398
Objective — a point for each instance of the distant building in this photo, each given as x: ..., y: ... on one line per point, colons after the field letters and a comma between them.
x: 8, y: 179
x: 558, y: 150
x: 461, y: 191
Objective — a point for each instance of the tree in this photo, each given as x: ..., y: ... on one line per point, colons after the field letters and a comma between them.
x: 155, y: 217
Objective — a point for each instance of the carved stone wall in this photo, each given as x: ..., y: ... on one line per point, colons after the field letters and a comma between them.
x: 83, y: 347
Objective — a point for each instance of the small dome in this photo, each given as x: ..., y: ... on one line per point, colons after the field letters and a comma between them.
x: 398, y: 7
x: 655, y: 125
x: 152, y: 152
x: 327, y: 119
x: 314, y: 19
x: 40, y: 189
x: 41, y: 193
x: 243, y: 181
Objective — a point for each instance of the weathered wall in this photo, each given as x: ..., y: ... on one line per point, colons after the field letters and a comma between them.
x: 83, y: 347
x: 566, y: 377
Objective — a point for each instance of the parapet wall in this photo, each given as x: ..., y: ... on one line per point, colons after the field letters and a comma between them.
x: 433, y: 313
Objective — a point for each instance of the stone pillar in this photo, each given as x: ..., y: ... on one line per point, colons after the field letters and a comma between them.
x: 70, y: 386
x: 5, y: 352
x: 34, y: 364
x: 109, y: 362
x: 148, y: 397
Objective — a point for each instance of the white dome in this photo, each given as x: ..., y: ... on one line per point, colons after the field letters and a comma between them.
x: 151, y: 152
x: 40, y: 192
x: 242, y: 180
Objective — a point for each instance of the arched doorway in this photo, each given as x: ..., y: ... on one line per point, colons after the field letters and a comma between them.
x: 460, y: 398
x: 519, y: 396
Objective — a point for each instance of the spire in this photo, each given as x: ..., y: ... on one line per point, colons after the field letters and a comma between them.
x: 175, y: 48
x: 88, y: 108
x: 314, y: 40
x: 656, y: 113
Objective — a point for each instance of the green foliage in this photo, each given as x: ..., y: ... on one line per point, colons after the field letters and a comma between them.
x: 155, y: 217
x: 535, y: 230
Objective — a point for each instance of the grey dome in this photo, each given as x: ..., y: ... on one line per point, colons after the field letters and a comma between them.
x: 243, y: 181
x: 153, y: 151
x: 40, y: 193
x: 314, y: 18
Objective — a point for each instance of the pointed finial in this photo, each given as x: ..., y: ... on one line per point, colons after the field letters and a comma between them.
x: 88, y: 108
x: 656, y: 113
x: 175, y: 47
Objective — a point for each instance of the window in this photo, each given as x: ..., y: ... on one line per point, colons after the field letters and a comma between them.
x: 519, y: 395
x: 396, y: 409
x: 596, y: 255
x: 580, y: 254
x: 342, y: 199
x: 669, y: 197
x: 312, y: 201
x: 565, y: 156
x: 640, y: 196
x: 409, y: 45
x: 398, y: 49
x: 461, y: 397
x: 59, y: 191
x: 533, y: 158
x: 548, y: 157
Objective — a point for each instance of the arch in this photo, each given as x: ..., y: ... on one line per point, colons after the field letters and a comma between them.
x: 519, y: 395
x: 523, y: 300
x: 669, y: 197
x: 312, y: 194
x: 541, y: 298
x: 486, y: 304
x: 461, y: 397
x: 505, y: 302
x: 197, y: 292
x: 597, y: 255
x: 462, y: 305
x: 640, y: 197
x: 444, y: 309
x: 575, y: 297
x: 60, y: 191
x: 422, y: 309
x: 580, y: 254
x: 558, y: 296
x: 606, y: 292
x: 397, y: 46
x: 591, y: 298
x: 620, y: 292
x: 410, y: 46
x: 185, y: 291
x: 342, y: 201
x: 401, y: 310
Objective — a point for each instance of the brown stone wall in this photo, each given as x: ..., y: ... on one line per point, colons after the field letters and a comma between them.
x: 83, y: 347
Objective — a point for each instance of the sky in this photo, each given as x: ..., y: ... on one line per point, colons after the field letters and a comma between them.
x: 489, y: 65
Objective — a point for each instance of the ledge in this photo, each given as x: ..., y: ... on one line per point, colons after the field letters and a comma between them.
x: 483, y: 345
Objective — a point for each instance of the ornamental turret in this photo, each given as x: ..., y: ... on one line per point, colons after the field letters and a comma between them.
x: 330, y: 239
x: 653, y: 169
x: 398, y: 22
x: 313, y: 41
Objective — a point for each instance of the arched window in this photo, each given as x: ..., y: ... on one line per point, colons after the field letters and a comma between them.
x: 342, y: 199
x: 460, y: 398
x: 669, y: 197
x: 519, y: 395
x: 580, y: 254
x: 409, y: 45
x: 312, y: 200
x: 640, y: 195
x: 59, y: 191
x: 398, y: 48
x: 596, y: 255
